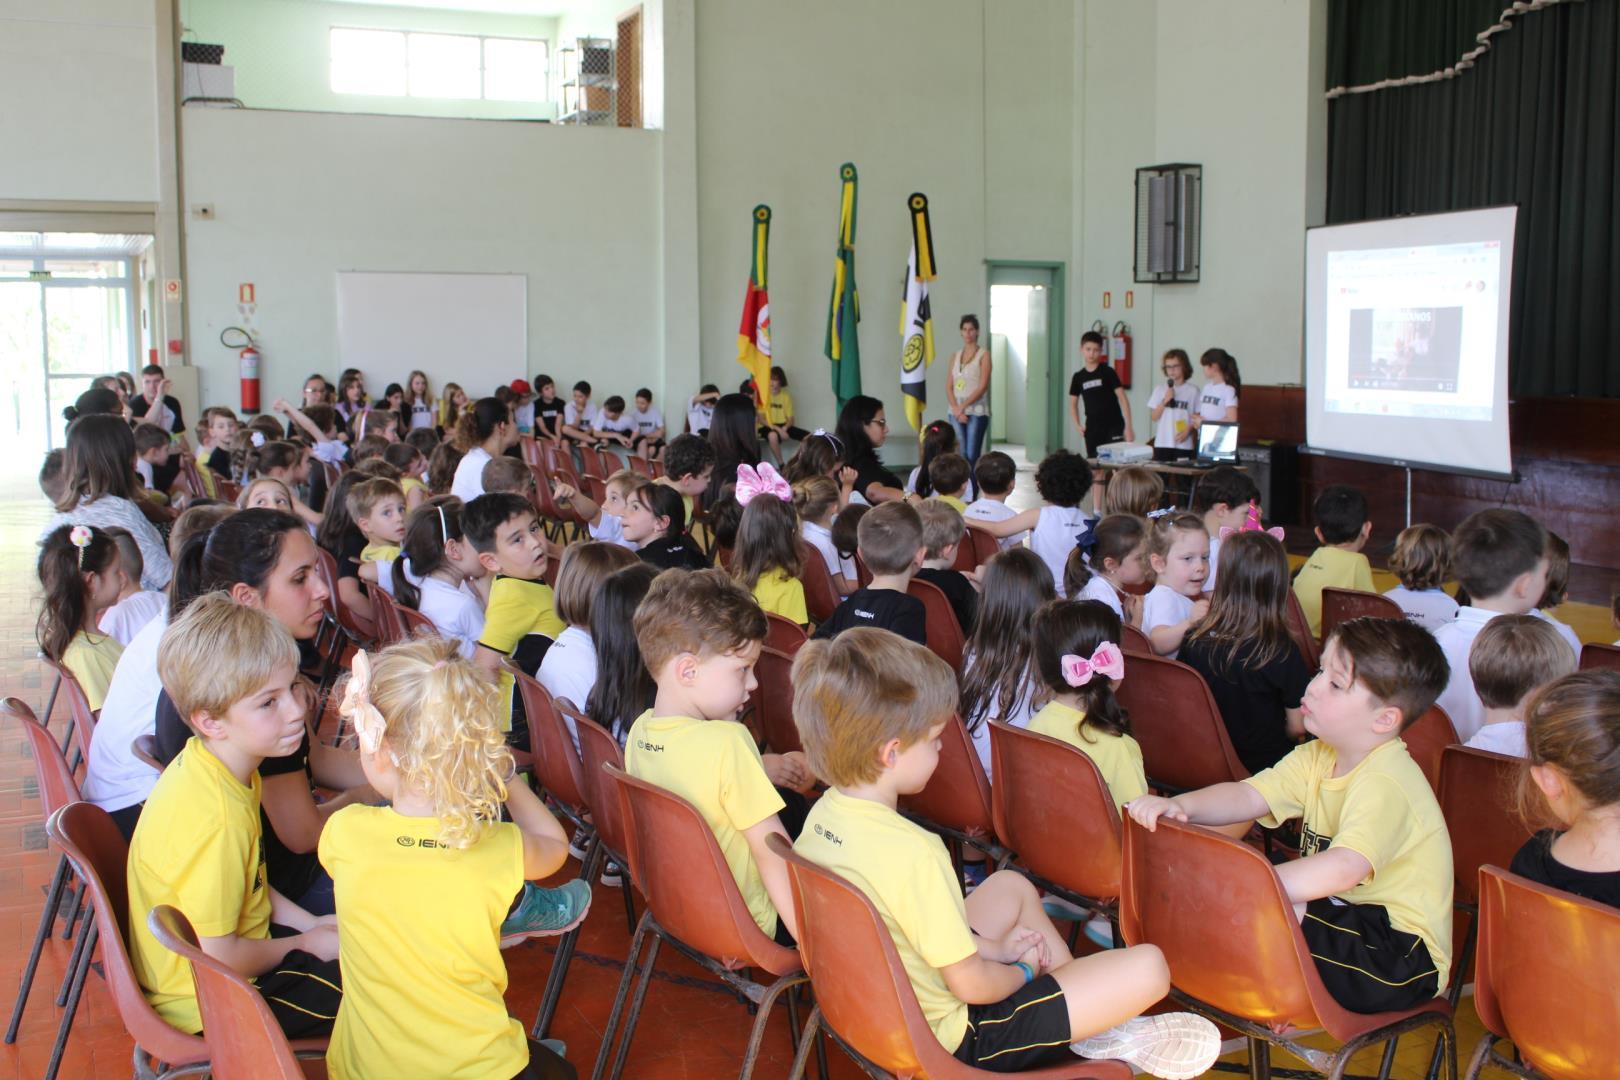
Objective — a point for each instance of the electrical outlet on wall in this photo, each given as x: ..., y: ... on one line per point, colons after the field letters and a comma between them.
x: 202, y: 211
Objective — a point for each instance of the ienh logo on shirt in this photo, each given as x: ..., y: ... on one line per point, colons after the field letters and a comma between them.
x: 1311, y: 841
x: 651, y: 748
x: 830, y: 836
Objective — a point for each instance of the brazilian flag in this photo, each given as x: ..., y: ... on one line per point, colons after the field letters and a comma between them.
x: 843, y: 344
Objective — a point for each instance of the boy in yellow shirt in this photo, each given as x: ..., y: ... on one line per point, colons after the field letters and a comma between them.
x: 1373, y: 886
x: 520, y: 620
x: 949, y: 475
x: 198, y: 847
x: 700, y: 635
x: 378, y: 509
x: 1342, y: 528
x: 993, y: 977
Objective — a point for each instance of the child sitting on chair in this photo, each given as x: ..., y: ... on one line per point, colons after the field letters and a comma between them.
x: 1342, y: 528
x: 1512, y: 657
x: 994, y: 978
x: 1373, y: 886
x: 1422, y: 561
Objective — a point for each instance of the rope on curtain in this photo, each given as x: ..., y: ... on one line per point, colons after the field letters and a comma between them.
x: 1464, y: 62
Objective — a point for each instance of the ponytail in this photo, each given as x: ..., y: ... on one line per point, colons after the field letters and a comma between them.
x: 62, y: 566
x: 428, y: 529
x: 479, y: 423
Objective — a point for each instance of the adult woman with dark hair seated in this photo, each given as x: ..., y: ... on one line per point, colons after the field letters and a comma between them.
x: 100, y: 488
x: 863, y: 428
x: 734, y: 434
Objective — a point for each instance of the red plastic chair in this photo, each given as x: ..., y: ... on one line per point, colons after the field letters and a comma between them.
x: 944, y: 633
x: 967, y: 560
x: 144, y: 747
x: 864, y: 998
x: 863, y: 573
x: 413, y: 623
x: 556, y: 766
x: 1052, y: 808
x: 956, y: 801
x: 641, y: 467
x: 359, y: 629
x: 1300, y: 630
x: 1342, y: 605
x: 820, y: 598
x: 773, y: 701
x: 1546, y: 980
x: 694, y: 905
x: 389, y: 627
x: 1135, y: 642
x: 1597, y: 656
x: 1175, y: 720
x: 985, y: 546
x: 597, y: 747
x: 1217, y: 910
x: 783, y: 634
x: 244, y: 1040
x: 558, y: 518
x: 57, y: 788
x: 84, y: 719
x: 99, y: 855
x: 1426, y: 739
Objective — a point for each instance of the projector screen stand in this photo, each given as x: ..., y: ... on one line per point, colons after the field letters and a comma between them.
x: 1408, y: 496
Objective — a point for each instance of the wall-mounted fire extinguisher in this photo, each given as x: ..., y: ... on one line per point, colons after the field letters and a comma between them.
x: 248, y: 365
x: 1119, y: 352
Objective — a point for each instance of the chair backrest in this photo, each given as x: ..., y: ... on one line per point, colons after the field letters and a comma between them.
x: 1342, y: 605
x: 1597, y: 656
x: 546, y: 737
x: 598, y: 747
x: 967, y: 560
x: 144, y: 747
x: 1300, y: 630
x: 529, y: 449
x: 1546, y: 975
x: 640, y: 466
x: 598, y: 489
x: 564, y: 713
x: 863, y: 573
x: 1175, y: 720
x: 413, y: 623
x: 1477, y: 798
x: 358, y: 628
x: 84, y: 720
x: 57, y: 787
x: 244, y: 1038
x: 945, y: 638
x: 689, y: 888
x: 1133, y: 641
x: 590, y: 461
x: 90, y: 839
x: 957, y: 796
x: 1426, y: 739
x: 820, y: 598
x: 783, y: 634
x: 1051, y: 806
x: 773, y: 701
x: 985, y: 546
x: 389, y: 627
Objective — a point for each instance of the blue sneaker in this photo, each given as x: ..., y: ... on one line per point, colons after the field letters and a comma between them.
x: 544, y: 912
x: 973, y: 875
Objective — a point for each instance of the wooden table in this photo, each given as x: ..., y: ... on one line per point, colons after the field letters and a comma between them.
x: 1166, y: 468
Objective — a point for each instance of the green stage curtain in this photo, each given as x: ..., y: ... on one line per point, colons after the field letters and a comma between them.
x: 1532, y: 123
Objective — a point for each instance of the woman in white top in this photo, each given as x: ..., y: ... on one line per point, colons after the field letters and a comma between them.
x: 1222, y: 387
x: 967, y: 388
x: 99, y: 489
x: 568, y: 670
x: 487, y: 431
x: 1173, y: 403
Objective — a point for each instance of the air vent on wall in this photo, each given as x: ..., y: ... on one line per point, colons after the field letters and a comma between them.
x: 1167, y: 223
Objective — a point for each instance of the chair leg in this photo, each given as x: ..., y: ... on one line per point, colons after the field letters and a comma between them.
x: 47, y: 919
x: 1388, y: 1061
x: 811, y: 1034
x: 1259, y: 1059
x: 73, y: 916
x: 629, y: 900
x: 552, y: 995
x: 757, y: 1034
x: 45, y: 717
x: 1465, y: 957
x: 618, y: 998
x: 635, y: 1008
x: 78, y: 949
x: 72, y: 1005
x: 1482, y: 1053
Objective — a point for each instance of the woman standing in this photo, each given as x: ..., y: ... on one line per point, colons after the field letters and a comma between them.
x: 100, y: 490
x: 967, y: 388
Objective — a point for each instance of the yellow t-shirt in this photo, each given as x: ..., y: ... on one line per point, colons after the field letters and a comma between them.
x: 517, y: 608
x: 197, y: 848
x: 419, y: 929
x: 782, y: 595
x: 1329, y: 567
x: 953, y: 502
x: 715, y: 766
x: 781, y: 406
x: 92, y: 659
x: 408, y: 484
x: 906, y: 873
x: 376, y: 552
x: 1118, y: 757
x: 1385, y: 811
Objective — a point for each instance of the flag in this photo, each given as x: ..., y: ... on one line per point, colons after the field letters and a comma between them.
x: 754, y: 333
x: 843, y: 345
x: 916, y: 319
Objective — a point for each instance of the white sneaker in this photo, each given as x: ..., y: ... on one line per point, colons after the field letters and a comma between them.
x: 1100, y: 932
x: 1172, y: 1046
x: 612, y: 876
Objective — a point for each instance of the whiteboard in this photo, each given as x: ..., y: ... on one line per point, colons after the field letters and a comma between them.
x: 470, y: 329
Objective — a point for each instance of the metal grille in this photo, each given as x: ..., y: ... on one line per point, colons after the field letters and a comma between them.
x: 1168, y: 201
x: 590, y: 83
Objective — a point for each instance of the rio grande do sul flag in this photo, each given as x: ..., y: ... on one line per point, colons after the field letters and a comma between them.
x: 754, y: 332
x: 916, y: 318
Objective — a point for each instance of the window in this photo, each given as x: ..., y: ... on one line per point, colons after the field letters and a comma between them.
x: 394, y: 63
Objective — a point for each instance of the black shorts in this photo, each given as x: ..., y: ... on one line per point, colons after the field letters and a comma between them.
x: 545, y: 1065
x: 1096, y: 437
x: 304, y: 992
x: 1365, y: 963
x: 797, y: 434
x: 1027, y: 1029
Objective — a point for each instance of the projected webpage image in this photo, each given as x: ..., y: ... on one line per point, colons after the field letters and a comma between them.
x: 1413, y: 331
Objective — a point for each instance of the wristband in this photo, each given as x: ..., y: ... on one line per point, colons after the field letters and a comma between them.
x: 1029, y: 972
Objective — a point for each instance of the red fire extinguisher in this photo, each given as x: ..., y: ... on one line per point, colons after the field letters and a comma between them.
x: 1119, y: 352
x: 249, y: 361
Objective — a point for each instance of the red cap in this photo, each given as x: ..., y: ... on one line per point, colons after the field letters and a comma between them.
x: 520, y: 387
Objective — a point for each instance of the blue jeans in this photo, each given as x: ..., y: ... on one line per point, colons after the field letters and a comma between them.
x: 970, y: 436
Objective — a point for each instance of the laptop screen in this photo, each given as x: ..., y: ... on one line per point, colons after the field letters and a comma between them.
x: 1218, y: 442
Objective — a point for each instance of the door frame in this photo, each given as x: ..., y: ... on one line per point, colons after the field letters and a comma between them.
x: 1056, y: 344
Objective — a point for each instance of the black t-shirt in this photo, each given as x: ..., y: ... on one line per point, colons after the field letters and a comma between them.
x: 348, y: 554
x: 1535, y: 861
x: 674, y: 553
x: 219, y: 460
x: 139, y: 406
x: 869, y: 470
x: 885, y: 609
x: 1252, y: 699
x: 1096, y: 390
x: 958, y: 590
x: 548, y: 415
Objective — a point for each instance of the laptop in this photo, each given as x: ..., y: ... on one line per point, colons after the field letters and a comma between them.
x: 1217, y: 444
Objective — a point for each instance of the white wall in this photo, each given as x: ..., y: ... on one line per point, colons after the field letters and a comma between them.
x: 576, y: 209
x: 79, y: 83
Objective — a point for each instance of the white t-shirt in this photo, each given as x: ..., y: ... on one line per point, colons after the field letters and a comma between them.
x: 1214, y: 554
x: 699, y: 414
x: 469, y: 480
x: 1459, y: 698
x: 1429, y: 608
x: 611, y: 529
x: 456, y: 613
x: 1056, y: 532
x: 125, y: 619
x: 523, y: 416
x: 820, y: 538
x: 994, y: 510
x: 329, y: 451
x: 572, y: 417
x: 143, y: 469
x: 1163, y: 606
x: 1174, y: 428
x: 114, y: 777
x: 625, y: 424
x: 569, y: 671
x: 422, y: 414
x: 1569, y: 636
x: 1098, y: 588
x: 1506, y: 737
x: 1215, y: 399
x: 1023, y: 709
x: 647, y: 422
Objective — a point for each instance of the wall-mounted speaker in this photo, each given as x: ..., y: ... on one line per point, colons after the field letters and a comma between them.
x: 1167, y: 222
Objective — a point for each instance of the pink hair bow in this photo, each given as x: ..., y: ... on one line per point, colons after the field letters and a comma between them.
x: 357, y: 707
x: 764, y: 480
x: 1276, y: 531
x: 1106, y: 661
